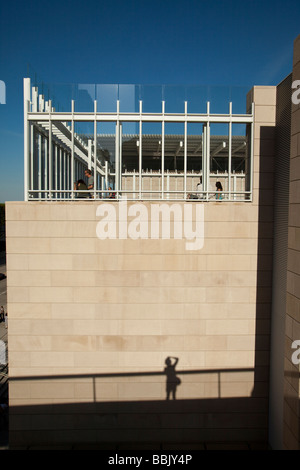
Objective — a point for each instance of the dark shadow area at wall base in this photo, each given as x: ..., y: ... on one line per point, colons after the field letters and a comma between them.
x: 229, y: 423
x: 264, y: 262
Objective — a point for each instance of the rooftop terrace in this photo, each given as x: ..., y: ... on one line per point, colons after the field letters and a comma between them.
x: 171, y: 153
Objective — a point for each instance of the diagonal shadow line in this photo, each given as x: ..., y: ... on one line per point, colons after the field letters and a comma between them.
x: 128, y: 374
x: 219, y: 372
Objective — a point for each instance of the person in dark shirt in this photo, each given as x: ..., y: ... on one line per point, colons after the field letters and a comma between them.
x: 219, y: 190
x: 81, y: 186
x: 111, y: 195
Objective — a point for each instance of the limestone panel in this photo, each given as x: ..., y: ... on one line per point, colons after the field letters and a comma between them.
x: 104, y: 315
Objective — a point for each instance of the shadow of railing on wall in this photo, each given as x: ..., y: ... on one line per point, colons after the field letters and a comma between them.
x: 218, y: 373
x: 123, y: 420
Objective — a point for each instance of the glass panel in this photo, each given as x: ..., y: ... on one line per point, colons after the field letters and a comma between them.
x: 219, y: 98
x: 219, y: 161
x: 240, y: 176
x: 129, y: 98
x: 239, y: 99
x: 106, y: 96
x: 152, y: 97
x: 174, y: 97
x: 130, y: 159
x: 194, y: 160
x: 84, y: 96
x: 44, y: 165
x: 84, y: 154
x: 151, y: 159
x: 106, y: 149
x: 61, y: 95
x: 174, y: 160
x: 197, y: 97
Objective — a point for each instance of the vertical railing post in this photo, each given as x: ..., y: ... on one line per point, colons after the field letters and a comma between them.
x: 90, y: 154
x: 65, y: 173
x: 95, y: 148
x: 40, y: 166
x: 140, y: 151
x: 120, y: 154
x: 33, y: 150
x: 26, y: 90
x: 60, y: 173
x: 185, y: 149
x: 208, y: 152
x: 32, y: 155
x: 50, y: 152
x: 204, y: 185
x: 55, y: 169
x: 45, y: 168
x: 251, y: 153
x: 230, y: 152
x: 163, y: 151
x: 117, y: 153
x: 106, y: 176
x: 72, y: 151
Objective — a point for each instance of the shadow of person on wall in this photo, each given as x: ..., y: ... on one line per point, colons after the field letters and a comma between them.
x: 172, y: 380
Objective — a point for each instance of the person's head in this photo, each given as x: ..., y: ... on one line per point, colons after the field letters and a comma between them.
x: 88, y: 172
x: 80, y: 182
x: 219, y: 186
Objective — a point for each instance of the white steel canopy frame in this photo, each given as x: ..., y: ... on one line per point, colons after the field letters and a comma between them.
x: 55, y: 155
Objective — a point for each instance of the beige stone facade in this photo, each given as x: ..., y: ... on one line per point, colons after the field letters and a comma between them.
x: 92, y: 322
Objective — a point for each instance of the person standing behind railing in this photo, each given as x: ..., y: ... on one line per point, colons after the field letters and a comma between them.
x: 111, y: 195
x: 81, y: 186
x: 90, y: 182
x: 200, y: 188
x: 219, y: 187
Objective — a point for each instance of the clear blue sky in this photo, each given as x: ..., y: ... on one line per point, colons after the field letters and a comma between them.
x: 217, y: 42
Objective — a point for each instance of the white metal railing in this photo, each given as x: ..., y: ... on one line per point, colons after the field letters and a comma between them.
x: 145, y: 195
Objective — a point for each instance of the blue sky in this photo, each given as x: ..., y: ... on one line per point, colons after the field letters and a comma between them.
x: 192, y: 42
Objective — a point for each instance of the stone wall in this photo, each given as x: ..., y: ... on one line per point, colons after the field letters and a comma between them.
x: 92, y: 322
x: 291, y: 392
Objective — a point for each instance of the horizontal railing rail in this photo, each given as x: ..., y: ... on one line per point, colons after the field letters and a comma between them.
x: 218, y: 373
x: 104, y: 194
